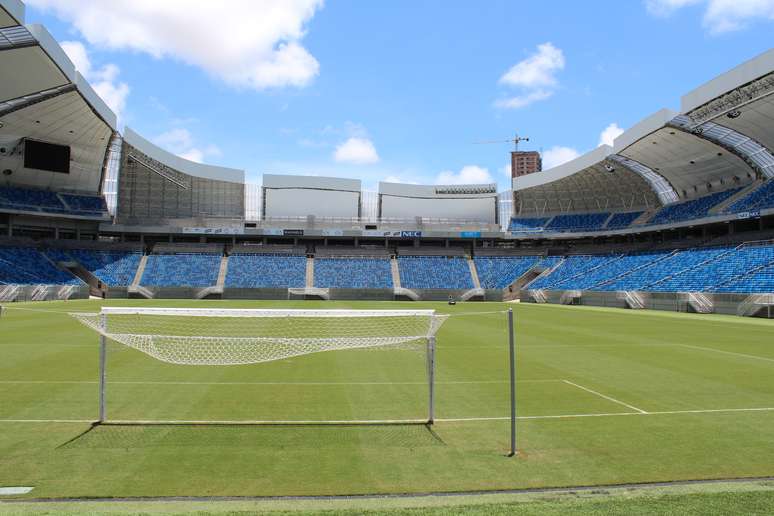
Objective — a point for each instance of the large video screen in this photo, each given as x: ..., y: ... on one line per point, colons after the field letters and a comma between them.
x: 47, y: 156
x: 300, y: 202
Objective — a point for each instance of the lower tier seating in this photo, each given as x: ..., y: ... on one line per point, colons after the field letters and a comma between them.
x: 28, y: 266
x: 417, y: 272
x: 352, y: 273
x: 113, y: 268
x: 501, y: 271
x: 266, y: 271
x: 181, y: 270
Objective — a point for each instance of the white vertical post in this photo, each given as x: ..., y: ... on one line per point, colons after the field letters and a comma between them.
x: 431, y: 378
x: 102, y: 367
x: 512, y: 361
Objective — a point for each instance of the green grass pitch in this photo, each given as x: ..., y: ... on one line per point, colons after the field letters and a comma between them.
x: 604, y: 397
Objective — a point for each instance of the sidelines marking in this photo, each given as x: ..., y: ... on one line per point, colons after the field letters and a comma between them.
x: 139, y: 382
x: 605, y: 397
x: 392, y: 421
x: 612, y: 414
x: 745, y: 355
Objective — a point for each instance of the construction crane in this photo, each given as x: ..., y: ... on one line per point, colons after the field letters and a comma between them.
x: 515, y: 140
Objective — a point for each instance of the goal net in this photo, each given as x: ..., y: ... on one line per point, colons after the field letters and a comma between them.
x: 259, y: 348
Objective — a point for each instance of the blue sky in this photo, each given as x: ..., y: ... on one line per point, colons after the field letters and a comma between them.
x: 396, y: 90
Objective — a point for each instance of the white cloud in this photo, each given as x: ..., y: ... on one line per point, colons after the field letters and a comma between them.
x: 535, y: 76
x: 520, y: 101
x: 468, y: 175
x: 356, y: 150
x: 249, y: 43
x: 609, y: 134
x: 103, y: 80
x: 180, y: 141
x: 719, y: 15
x: 397, y: 179
x: 558, y: 155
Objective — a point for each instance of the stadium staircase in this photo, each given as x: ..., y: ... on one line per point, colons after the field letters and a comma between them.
x: 570, y: 297
x: 700, y: 303
x: 644, y: 218
x: 135, y: 288
x: 395, y: 272
x: 310, y: 291
x: 721, y: 206
x: 96, y: 288
x: 633, y: 299
x: 546, y: 272
x: 477, y: 291
x: 310, y: 272
x: 9, y: 292
x: 607, y: 220
x: 755, y: 303
x: 216, y: 290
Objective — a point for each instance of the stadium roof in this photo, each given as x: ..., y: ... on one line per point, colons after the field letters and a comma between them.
x: 723, y: 136
x: 11, y: 13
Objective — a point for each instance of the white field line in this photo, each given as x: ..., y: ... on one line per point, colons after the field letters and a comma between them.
x: 384, y: 421
x: 744, y: 355
x: 139, y: 382
x: 609, y: 398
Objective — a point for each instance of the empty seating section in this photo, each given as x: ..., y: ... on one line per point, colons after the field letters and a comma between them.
x: 612, y: 269
x: 622, y: 220
x: 758, y: 282
x: 759, y: 199
x: 28, y: 266
x: 693, y: 209
x: 527, y: 225
x: 439, y: 272
x: 352, y: 273
x: 500, y: 271
x: 29, y: 199
x: 84, y: 204
x: 181, y: 270
x: 577, y: 222
x: 567, y: 269
x: 114, y: 268
x: 266, y: 271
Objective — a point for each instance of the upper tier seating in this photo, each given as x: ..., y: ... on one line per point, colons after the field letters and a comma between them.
x: 266, y: 271
x: 29, y: 199
x: 577, y: 222
x: 527, y: 225
x: 352, y: 273
x: 622, y: 220
x: 181, y: 270
x: 500, y: 271
x: 114, y: 268
x: 570, y: 268
x: 759, y: 199
x: 417, y: 272
x: 693, y: 209
x: 28, y: 266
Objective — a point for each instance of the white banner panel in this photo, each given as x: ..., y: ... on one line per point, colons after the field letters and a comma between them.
x: 478, y: 209
x: 301, y: 202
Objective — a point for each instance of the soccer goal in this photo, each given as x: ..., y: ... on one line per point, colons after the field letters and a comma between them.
x: 265, y: 366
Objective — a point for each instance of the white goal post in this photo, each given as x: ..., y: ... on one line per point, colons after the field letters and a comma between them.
x: 226, y: 337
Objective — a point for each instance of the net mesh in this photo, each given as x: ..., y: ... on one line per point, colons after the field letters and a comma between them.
x: 238, y: 337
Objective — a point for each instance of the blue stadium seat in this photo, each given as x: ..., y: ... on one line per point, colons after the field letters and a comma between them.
x: 30, y: 199
x: 85, y: 204
x: 622, y: 220
x: 439, y: 272
x: 181, y: 270
x: 500, y: 271
x: 28, y: 266
x: 759, y: 199
x: 352, y: 273
x: 568, y: 269
x: 693, y: 209
x: 114, y: 268
x: 266, y: 271
x: 576, y: 222
x: 527, y: 225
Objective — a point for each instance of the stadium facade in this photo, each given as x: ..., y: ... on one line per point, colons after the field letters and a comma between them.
x: 677, y: 214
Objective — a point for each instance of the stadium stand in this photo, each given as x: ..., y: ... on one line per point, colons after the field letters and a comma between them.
x: 434, y: 272
x: 248, y: 270
x: 693, y: 209
x: 114, y: 268
x: 527, y: 225
x: 181, y: 270
x: 28, y: 199
x: 622, y: 220
x: 501, y: 271
x: 759, y: 199
x: 570, y: 268
x: 28, y: 266
x: 352, y: 273
x: 578, y: 222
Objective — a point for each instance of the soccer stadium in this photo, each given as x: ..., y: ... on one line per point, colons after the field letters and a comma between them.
x: 178, y: 336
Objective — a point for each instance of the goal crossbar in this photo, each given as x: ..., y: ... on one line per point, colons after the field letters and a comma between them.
x: 228, y: 337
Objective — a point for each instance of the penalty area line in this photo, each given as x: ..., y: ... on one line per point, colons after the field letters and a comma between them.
x: 609, y: 398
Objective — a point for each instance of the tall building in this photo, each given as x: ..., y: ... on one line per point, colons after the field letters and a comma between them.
x: 525, y: 162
